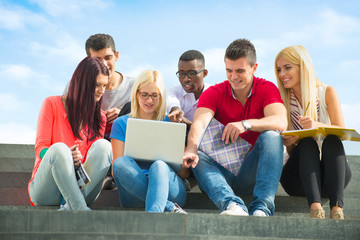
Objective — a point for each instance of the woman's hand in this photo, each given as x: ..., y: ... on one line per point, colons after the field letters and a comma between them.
x: 76, y: 154
x: 289, y: 140
x: 307, y: 123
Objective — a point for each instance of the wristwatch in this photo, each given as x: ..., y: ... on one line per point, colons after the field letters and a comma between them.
x: 246, y: 125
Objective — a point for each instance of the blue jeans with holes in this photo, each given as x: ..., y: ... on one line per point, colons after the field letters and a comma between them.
x: 56, y: 176
x: 157, y: 191
x: 259, y: 175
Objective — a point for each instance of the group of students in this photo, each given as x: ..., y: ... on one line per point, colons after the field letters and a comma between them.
x: 71, y: 130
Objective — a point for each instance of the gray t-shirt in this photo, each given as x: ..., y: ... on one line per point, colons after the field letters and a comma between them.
x: 116, y: 97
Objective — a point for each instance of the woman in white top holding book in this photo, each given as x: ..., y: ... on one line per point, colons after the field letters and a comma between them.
x: 314, y: 169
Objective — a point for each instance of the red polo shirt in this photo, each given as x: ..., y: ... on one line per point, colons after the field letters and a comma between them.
x: 220, y: 99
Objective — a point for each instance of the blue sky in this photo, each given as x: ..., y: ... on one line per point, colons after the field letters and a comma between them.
x: 41, y: 43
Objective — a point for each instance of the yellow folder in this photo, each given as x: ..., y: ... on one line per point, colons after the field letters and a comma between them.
x: 342, y: 133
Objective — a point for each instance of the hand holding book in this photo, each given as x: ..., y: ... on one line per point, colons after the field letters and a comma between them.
x: 342, y: 133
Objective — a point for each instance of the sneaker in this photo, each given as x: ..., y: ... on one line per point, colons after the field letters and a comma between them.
x: 259, y: 213
x: 235, y: 210
x: 109, y: 183
x: 64, y: 207
x: 178, y: 209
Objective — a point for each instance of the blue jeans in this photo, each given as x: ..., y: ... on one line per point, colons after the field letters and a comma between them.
x: 56, y: 176
x: 157, y: 191
x: 259, y: 175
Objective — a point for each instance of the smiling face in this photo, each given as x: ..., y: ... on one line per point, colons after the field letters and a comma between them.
x: 288, y: 73
x: 101, y: 82
x: 195, y: 84
x: 147, y: 107
x: 240, y: 74
x: 107, y: 56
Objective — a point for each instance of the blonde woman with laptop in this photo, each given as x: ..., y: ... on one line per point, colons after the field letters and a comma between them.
x: 154, y: 185
x: 313, y: 169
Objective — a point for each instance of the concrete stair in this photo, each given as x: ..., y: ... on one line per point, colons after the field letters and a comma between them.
x: 18, y: 220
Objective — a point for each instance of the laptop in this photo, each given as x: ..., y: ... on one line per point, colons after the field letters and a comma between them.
x: 150, y: 140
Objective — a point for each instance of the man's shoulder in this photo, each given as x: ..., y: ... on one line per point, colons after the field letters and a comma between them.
x: 207, y: 85
x: 263, y: 84
x: 177, y: 87
x: 176, y: 90
x: 126, y: 83
x: 127, y: 79
x: 222, y: 86
x: 262, y: 81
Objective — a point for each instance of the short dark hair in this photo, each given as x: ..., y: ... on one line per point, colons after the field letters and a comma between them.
x: 99, y: 41
x: 192, y: 55
x: 83, y: 110
x: 241, y: 48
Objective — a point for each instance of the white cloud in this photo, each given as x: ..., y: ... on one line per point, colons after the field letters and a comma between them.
x: 14, y: 17
x: 17, y: 73
x: 16, y: 133
x: 24, y: 75
x: 214, y: 63
x: 70, y: 7
x: 328, y: 28
x: 65, y: 46
x: 11, y: 19
x: 214, y: 59
x: 351, y: 113
x: 134, y: 72
x: 351, y: 64
x: 334, y: 28
x: 9, y: 102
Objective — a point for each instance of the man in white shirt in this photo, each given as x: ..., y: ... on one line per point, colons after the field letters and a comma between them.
x: 182, y: 99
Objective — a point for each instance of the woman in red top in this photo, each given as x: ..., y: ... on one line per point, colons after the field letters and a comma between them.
x: 69, y: 133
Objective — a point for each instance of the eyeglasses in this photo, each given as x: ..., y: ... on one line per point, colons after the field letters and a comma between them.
x: 145, y: 95
x: 190, y: 74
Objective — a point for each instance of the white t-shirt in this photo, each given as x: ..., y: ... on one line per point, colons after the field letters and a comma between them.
x: 177, y: 97
x: 116, y: 97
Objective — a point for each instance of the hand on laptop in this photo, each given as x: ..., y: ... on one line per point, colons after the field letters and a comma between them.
x: 176, y: 114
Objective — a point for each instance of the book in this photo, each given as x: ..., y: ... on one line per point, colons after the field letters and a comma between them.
x: 82, y: 177
x: 344, y: 134
x: 230, y: 156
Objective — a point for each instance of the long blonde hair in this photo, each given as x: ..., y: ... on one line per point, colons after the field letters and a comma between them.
x: 146, y: 77
x: 308, y: 81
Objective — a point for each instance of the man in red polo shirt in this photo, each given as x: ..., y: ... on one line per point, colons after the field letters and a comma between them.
x: 250, y: 108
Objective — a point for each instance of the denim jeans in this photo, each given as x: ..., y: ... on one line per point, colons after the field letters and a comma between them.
x: 56, y: 176
x: 259, y: 175
x: 156, y: 191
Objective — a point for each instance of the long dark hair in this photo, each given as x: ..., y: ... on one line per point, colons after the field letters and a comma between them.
x: 82, y: 109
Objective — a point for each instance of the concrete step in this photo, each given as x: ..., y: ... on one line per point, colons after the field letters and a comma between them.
x: 122, y: 236
x: 109, y: 220
x: 196, y: 203
x: 196, y: 225
x: 14, y: 179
